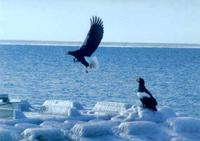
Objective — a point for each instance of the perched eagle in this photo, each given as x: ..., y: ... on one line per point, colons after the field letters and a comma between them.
x: 148, y: 101
x: 91, y: 42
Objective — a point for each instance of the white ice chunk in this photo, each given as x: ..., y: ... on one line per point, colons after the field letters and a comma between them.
x: 139, y: 127
x: 56, y: 124
x: 144, y: 129
x: 185, y: 124
x: 126, y: 116
x: 159, y: 116
x: 59, y: 106
x: 70, y: 123
x: 111, y: 107
x: 129, y: 115
x: 91, y: 129
x: 149, y: 115
x: 23, y: 126
x: 132, y: 116
x: 43, y: 134
x: 184, y: 128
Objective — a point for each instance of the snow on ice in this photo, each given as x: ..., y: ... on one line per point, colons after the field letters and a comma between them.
x: 67, y: 120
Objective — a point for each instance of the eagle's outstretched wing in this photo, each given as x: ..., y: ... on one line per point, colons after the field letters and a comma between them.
x: 91, y: 42
x: 93, y: 37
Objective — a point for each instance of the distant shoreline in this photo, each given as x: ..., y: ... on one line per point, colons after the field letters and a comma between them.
x: 103, y: 44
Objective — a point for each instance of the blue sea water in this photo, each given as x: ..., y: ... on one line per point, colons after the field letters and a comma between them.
x: 38, y: 73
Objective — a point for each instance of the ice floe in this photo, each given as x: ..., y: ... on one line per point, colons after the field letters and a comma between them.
x: 67, y: 120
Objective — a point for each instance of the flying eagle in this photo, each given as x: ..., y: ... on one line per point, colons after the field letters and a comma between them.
x: 91, y: 42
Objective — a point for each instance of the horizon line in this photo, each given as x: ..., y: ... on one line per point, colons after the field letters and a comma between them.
x: 104, y: 44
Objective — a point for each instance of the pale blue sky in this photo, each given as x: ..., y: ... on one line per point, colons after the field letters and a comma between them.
x: 170, y: 21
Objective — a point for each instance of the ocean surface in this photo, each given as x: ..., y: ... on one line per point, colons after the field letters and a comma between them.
x: 38, y: 73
